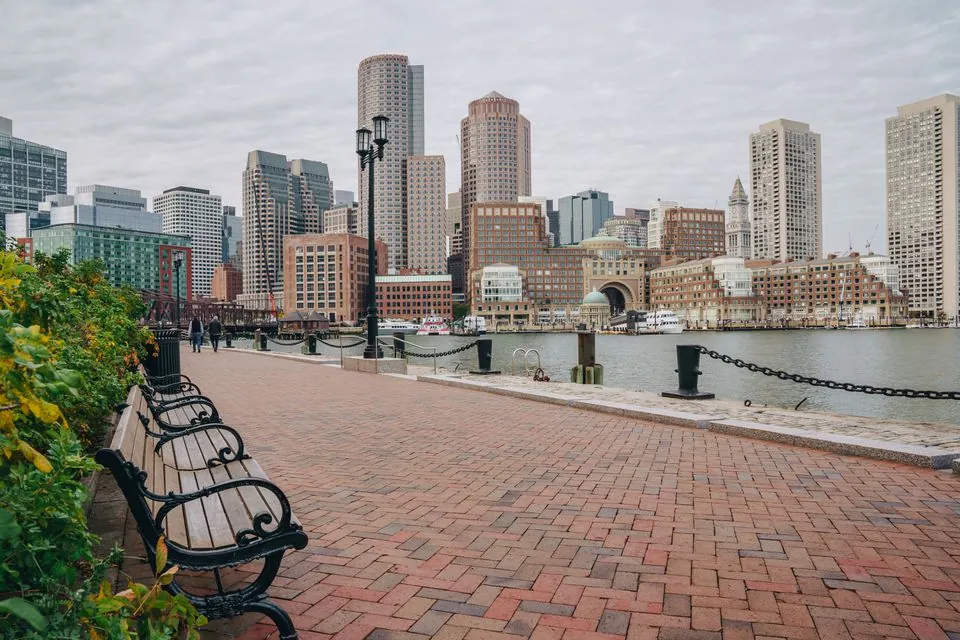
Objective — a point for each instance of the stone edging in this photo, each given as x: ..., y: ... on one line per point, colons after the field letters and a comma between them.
x: 847, y: 445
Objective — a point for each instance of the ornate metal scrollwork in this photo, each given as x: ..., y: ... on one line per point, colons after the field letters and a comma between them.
x: 224, y: 455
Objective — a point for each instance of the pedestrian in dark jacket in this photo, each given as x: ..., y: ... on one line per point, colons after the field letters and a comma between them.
x: 216, y: 330
x: 196, y: 333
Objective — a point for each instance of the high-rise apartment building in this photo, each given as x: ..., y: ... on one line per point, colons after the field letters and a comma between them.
x: 655, y: 221
x: 280, y: 198
x: 196, y: 213
x: 495, y: 163
x: 29, y: 172
x: 630, y: 230
x: 786, y: 187
x: 388, y: 85
x: 426, y: 214
x: 583, y: 215
x: 454, y: 221
x: 344, y: 218
x: 738, y: 222
x: 310, y: 182
x: 923, y: 198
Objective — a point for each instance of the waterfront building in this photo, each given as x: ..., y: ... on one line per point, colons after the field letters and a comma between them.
x: 543, y: 207
x: 692, y: 233
x: 631, y: 230
x: 454, y: 220
x: 786, y: 186
x: 923, y: 203
x: 196, y: 213
x: 618, y: 271
x: 414, y: 297
x: 227, y: 282
x: 100, y: 205
x: 311, y: 188
x: 499, y: 296
x: 426, y: 214
x: 279, y: 198
x: 709, y: 292
x: 344, y: 218
x: 655, y: 221
x: 388, y: 85
x: 512, y: 233
x: 29, y: 172
x: 232, y: 241
x: 138, y: 259
x: 738, y: 222
x: 828, y: 290
x: 583, y: 215
x: 327, y: 273
x: 595, y: 310
x: 495, y: 164
x: 341, y: 196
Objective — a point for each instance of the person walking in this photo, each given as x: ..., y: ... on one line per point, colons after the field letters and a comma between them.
x: 196, y: 333
x: 215, y: 329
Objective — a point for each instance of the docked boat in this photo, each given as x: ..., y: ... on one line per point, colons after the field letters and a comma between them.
x: 474, y: 325
x: 664, y: 321
x: 857, y: 323
x: 388, y: 325
x: 433, y: 326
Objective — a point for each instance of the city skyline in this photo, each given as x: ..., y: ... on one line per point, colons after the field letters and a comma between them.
x: 683, y: 128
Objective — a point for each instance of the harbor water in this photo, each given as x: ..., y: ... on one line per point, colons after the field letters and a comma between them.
x: 906, y: 358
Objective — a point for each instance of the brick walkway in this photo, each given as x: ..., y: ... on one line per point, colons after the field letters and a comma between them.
x: 455, y: 514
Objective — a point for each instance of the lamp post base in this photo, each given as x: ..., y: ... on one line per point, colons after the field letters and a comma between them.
x: 373, y: 353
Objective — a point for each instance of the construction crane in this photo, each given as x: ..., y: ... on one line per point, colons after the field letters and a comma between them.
x: 870, y: 240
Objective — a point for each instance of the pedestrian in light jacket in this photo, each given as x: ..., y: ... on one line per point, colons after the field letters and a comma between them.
x: 196, y: 333
x: 216, y: 330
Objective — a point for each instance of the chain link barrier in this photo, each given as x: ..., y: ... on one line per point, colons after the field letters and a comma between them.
x: 287, y: 344
x: 340, y: 345
x: 830, y: 384
x: 440, y: 354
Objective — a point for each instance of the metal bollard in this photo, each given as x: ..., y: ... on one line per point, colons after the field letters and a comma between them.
x: 312, y: 344
x: 688, y: 370
x: 260, y: 340
x: 228, y: 338
x: 484, y: 358
x: 398, y: 345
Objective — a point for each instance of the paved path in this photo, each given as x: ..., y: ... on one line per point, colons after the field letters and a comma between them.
x: 449, y: 513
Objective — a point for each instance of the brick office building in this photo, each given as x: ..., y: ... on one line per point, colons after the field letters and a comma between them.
x: 693, y: 233
x: 414, y: 297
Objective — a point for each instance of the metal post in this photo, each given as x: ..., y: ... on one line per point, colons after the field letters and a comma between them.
x: 372, y: 349
x: 177, y: 265
x: 484, y: 357
x: 688, y: 370
x: 397, y: 344
x: 228, y: 337
x: 312, y: 344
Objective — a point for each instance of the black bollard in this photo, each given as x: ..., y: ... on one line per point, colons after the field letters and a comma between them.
x: 398, y: 347
x: 484, y: 358
x: 228, y: 338
x: 688, y: 370
x: 311, y: 344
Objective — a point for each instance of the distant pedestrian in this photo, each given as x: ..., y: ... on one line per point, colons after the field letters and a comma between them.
x: 196, y: 333
x: 215, y: 329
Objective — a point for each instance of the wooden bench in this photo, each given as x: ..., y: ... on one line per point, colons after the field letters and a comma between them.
x: 178, y: 405
x: 214, y: 511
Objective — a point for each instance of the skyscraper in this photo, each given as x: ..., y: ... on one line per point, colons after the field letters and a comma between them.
x: 655, y: 222
x: 786, y: 187
x: 192, y: 212
x: 311, y: 192
x: 738, y: 222
x: 923, y: 196
x: 388, y: 85
x: 454, y: 220
x: 426, y: 213
x: 495, y: 161
x: 583, y: 215
x: 29, y: 172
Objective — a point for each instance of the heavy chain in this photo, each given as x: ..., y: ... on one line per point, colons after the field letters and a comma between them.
x: 830, y: 384
x: 341, y: 345
x: 286, y: 344
x: 441, y: 354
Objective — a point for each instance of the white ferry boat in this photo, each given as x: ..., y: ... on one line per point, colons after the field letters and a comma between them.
x: 664, y: 321
x: 476, y: 325
x: 433, y: 326
x: 388, y: 325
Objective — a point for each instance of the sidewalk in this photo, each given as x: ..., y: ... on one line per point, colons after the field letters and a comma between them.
x: 443, y: 512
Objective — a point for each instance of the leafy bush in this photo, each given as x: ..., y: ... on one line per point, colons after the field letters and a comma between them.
x: 69, y: 347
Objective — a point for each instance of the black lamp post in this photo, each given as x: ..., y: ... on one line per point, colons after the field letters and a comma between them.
x: 177, y: 263
x: 370, y: 152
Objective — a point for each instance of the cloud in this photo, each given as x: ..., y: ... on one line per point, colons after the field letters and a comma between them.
x: 643, y: 100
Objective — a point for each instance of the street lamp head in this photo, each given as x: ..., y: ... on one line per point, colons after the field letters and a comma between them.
x: 177, y: 259
x: 380, y: 130
x: 363, y: 141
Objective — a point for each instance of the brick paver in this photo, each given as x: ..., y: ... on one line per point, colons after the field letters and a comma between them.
x: 448, y: 513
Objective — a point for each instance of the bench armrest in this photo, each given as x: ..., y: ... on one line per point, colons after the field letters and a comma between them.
x: 186, y: 388
x: 202, y: 416
x: 258, y: 527
x: 170, y: 378
x: 224, y: 454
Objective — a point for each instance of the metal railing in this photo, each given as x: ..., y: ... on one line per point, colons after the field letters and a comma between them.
x: 525, y: 353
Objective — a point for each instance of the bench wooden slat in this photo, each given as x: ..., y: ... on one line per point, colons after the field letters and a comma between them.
x: 217, y: 523
x: 127, y: 426
x: 197, y: 530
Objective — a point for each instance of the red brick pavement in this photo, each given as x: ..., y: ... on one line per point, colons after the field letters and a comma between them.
x: 448, y: 513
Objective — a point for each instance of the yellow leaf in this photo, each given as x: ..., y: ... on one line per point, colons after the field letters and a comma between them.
x: 161, y: 555
x: 167, y: 576
x: 128, y: 594
x: 34, y: 456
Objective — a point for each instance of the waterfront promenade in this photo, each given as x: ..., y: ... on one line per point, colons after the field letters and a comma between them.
x: 444, y: 512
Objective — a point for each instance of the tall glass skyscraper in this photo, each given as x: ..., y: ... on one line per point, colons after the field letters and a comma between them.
x: 28, y: 172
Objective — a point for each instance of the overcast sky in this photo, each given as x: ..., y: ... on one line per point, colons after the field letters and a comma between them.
x: 644, y: 100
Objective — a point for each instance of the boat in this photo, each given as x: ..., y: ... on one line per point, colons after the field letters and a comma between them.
x: 389, y: 325
x: 475, y: 325
x: 664, y: 321
x: 857, y: 323
x: 433, y: 326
